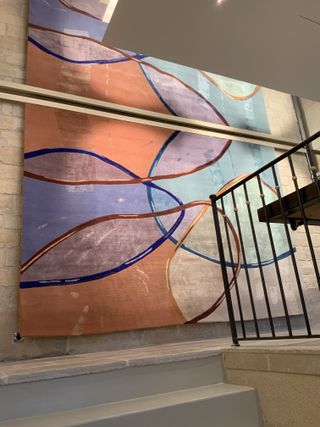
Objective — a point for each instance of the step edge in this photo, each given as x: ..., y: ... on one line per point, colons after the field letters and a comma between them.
x: 131, y: 406
x: 7, y: 375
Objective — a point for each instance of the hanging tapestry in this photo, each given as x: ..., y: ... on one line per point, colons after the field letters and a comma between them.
x: 117, y: 228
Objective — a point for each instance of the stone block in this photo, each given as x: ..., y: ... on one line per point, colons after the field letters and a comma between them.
x: 13, y: 20
x: 16, y: 58
x: 6, y: 108
x: 9, y: 277
x: 13, y: 137
x: 11, y: 171
x: 246, y: 361
x: 2, y: 28
x: 12, y: 256
x: 10, y: 186
x: 17, y: 204
x: 6, y: 203
x: 285, y: 400
x: 2, y: 257
x: 17, y: 31
x: 11, y: 155
x: 10, y: 123
x: 12, y: 222
x: 9, y: 238
x: 11, y: 72
x: 8, y: 298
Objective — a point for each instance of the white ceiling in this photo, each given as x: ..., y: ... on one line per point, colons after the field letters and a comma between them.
x: 273, y: 43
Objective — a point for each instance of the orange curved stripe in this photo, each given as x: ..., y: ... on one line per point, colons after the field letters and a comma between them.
x: 76, y: 36
x: 139, y: 61
x: 185, y: 234
x: 226, y: 93
x: 240, y: 178
x: 99, y: 220
x: 221, y: 298
x: 231, y: 183
x: 236, y: 273
x: 125, y: 181
x: 75, y: 9
x: 182, y: 239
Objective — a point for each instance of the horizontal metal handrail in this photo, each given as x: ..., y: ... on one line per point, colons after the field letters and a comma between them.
x: 27, y: 94
x: 283, y: 156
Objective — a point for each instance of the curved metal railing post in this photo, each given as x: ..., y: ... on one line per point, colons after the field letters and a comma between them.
x: 233, y: 325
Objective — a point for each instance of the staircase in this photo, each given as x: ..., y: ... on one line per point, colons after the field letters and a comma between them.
x: 168, y: 385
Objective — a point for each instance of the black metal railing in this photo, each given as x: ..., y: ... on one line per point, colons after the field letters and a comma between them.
x: 271, y: 284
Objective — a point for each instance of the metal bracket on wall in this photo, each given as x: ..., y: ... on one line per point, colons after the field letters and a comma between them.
x: 17, y: 338
x: 304, y: 131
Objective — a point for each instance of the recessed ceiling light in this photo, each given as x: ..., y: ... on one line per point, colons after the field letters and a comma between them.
x: 219, y: 2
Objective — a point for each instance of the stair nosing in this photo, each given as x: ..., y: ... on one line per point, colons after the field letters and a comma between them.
x: 131, y: 406
x: 41, y: 370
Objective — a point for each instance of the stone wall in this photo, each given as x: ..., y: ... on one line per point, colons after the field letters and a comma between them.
x: 13, y: 32
x: 13, y: 28
x: 287, y: 382
x: 283, y: 123
x: 12, y: 68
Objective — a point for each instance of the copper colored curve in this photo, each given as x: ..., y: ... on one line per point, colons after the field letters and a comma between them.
x: 99, y: 220
x: 75, y: 9
x: 221, y: 298
x: 226, y: 93
x: 139, y: 61
x: 125, y: 181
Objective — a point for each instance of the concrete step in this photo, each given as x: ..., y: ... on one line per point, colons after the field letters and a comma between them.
x: 40, y: 387
x: 218, y: 405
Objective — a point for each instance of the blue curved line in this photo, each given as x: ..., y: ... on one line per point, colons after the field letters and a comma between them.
x: 73, y: 61
x: 45, y: 151
x: 88, y: 278
x: 187, y: 248
x: 163, y: 148
x: 151, y: 248
x: 207, y: 257
x: 156, y: 91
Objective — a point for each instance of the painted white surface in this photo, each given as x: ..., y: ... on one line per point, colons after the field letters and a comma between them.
x: 271, y: 43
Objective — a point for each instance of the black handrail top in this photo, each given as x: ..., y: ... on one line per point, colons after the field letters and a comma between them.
x: 267, y: 166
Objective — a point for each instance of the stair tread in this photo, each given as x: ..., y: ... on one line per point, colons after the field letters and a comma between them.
x: 110, y: 410
x: 81, y: 364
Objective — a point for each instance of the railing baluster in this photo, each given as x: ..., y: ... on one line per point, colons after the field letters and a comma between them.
x: 254, y: 314
x: 274, y: 254
x: 233, y: 326
x: 313, y: 170
x: 298, y: 147
x: 304, y: 219
x: 278, y: 211
x: 263, y: 282
x: 234, y: 271
x: 293, y: 257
